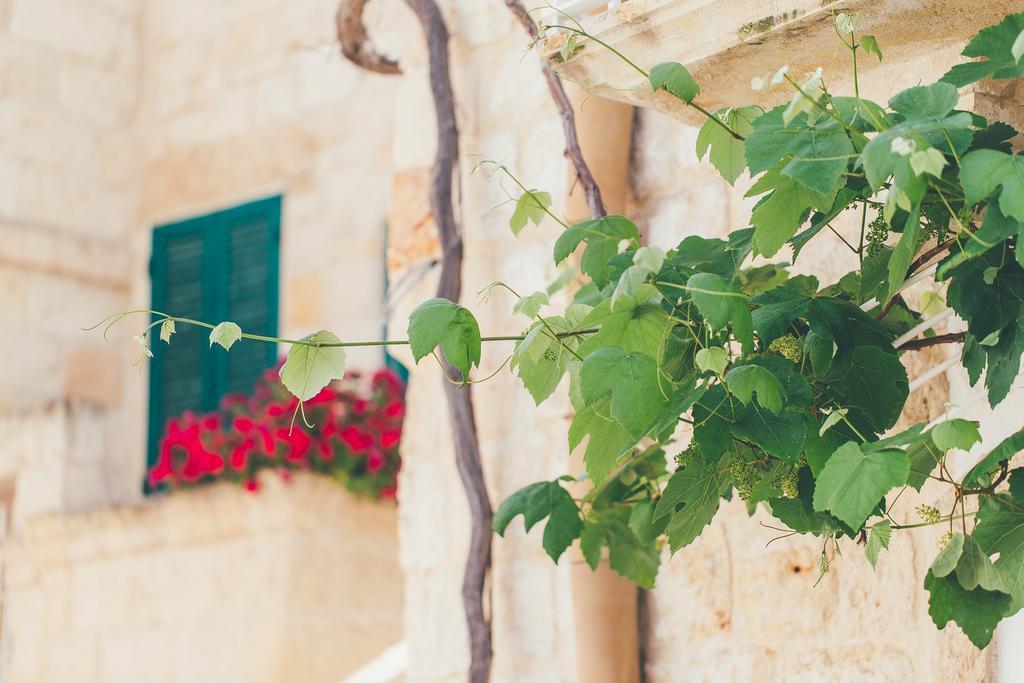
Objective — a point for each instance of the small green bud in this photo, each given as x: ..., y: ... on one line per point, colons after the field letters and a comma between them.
x: 788, y: 347
x: 928, y: 513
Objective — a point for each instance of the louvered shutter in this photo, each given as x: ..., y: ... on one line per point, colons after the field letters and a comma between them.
x: 223, y: 266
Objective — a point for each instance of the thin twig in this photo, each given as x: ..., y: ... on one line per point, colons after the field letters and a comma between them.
x: 917, y: 344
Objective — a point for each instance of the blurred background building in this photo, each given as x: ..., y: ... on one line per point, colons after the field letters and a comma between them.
x: 219, y: 158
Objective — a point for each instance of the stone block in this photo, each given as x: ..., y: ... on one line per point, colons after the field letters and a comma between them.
x: 99, y: 94
x: 304, y: 301
x: 93, y: 374
x: 412, y: 233
x: 74, y: 27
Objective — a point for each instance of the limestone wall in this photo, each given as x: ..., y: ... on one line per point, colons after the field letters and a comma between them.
x: 296, y: 583
x: 69, y: 92
x: 116, y: 115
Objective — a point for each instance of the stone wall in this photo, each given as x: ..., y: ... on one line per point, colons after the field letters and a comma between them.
x: 69, y: 92
x: 296, y: 583
x: 116, y: 115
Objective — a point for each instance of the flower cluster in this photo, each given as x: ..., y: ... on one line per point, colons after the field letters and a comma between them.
x: 354, y: 437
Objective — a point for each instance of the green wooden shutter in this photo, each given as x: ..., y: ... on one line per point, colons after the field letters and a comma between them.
x: 222, y: 266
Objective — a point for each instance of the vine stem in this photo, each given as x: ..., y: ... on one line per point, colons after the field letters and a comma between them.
x: 303, y: 342
x: 941, y: 520
x: 643, y: 72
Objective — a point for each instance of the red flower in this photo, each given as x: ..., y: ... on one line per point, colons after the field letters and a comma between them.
x: 326, y: 452
x: 390, y: 437
x: 355, y: 439
x: 199, y: 447
x: 298, y: 443
x: 374, y: 461
x: 240, y: 455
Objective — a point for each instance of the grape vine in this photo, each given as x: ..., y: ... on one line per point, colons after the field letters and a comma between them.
x: 790, y: 388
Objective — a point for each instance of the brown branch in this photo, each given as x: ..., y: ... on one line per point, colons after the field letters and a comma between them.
x: 927, y: 256
x: 460, y: 404
x: 925, y: 342
x: 565, y: 111
x: 355, y: 44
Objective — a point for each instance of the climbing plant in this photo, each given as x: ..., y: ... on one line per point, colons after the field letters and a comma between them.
x: 790, y: 388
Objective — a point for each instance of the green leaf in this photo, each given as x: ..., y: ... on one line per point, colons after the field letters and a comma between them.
x: 531, y: 304
x: 870, y: 46
x: 878, y: 539
x: 852, y: 483
x: 642, y: 329
x: 714, y: 359
x: 727, y: 153
x: 649, y: 258
x: 987, y: 309
x: 602, y: 236
x: 995, y: 229
x: 632, y: 381
x: 691, y: 497
x: 607, y: 443
x: 780, y: 435
x: 977, y: 612
x: 930, y: 161
x: 674, y: 78
x: 924, y: 458
x: 834, y: 418
x: 537, y: 501
x: 975, y: 569
x: 633, y: 289
x: 776, y: 310
x: 746, y: 380
x: 440, y: 322
x: 225, y: 334
x: 1017, y: 485
x: 875, y: 384
x: 310, y: 367
x: 1000, y: 45
x: 530, y: 208
x: 628, y: 555
x: 166, y: 330
x: 903, y: 254
x: 949, y: 555
x: 816, y: 155
x: 957, y: 433
x: 720, y: 303
x: 778, y: 214
x: 798, y: 513
x: 1007, y: 448
x: 1000, y: 530
x: 519, y: 503
x: 983, y: 170
x: 541, y: 361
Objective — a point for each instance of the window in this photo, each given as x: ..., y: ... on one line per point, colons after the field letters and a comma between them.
x: 222, y: 266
